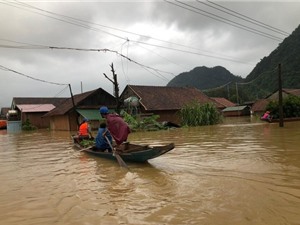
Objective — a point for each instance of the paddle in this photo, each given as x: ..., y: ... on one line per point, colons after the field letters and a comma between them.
x: 120, y: 160
x: 84, y: 149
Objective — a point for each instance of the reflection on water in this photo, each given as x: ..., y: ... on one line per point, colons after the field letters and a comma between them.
x: 239, y: 172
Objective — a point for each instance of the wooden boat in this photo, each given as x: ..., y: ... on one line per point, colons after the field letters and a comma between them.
x: 3, y: 124
x: 287, y: 119
x: 131, y: 152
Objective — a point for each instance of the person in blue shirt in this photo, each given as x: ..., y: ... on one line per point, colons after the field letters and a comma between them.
x: 101, y: 142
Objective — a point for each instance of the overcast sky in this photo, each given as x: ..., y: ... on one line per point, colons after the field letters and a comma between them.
x: 149, y: 42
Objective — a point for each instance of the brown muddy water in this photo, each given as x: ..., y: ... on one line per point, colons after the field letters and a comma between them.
x: 239, y: 172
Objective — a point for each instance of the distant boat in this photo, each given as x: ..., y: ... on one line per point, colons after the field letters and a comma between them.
x: 288, y: 119
x: 3, y: 124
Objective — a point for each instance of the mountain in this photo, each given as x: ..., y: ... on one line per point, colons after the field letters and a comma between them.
x: 204, y: 78
x: 262, y: 80
x: 288, y: 55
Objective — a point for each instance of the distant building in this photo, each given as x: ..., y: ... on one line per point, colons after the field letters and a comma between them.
x: 223, y: 103
x: 163, y: 101
x: 3, y: 113
x: 259, y: 106
x: 67, y: 115
x: 236, y: 111
x: 33, y: 109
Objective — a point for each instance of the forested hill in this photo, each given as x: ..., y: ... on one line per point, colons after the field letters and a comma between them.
x: 261, y: 82
x: 287, y: 54
x: 204, y: 78
x: 263, y: 79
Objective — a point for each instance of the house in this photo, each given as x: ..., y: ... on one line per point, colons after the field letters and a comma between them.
x: 223, y: 103
x: 285, y: 93
x: 236, y: 111
x: 259, y: 106
x: 3, y: 113
x: 159, y: 100
x: 68, y: 115
x: 33, y: 109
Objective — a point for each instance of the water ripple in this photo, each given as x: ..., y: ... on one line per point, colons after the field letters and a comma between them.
x: 225, y: 174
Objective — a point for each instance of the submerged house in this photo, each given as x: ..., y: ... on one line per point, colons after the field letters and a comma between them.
x: 259, y: 106
x: 3, y: 113
x: 33, y: 109
x: 160, y: 100
x: 68, y: 115
x: 223, y: 103
x: 243, y: 110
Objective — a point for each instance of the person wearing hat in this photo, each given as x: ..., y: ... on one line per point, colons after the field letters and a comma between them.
x: 117, y: 127
x: 84, y: 130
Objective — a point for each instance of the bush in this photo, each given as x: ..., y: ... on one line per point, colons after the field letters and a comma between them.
x: 28, y: 126
x: 148, y: 123
x: 196, y: 114
x: 290, y: 104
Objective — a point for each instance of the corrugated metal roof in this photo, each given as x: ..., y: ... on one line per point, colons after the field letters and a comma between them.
x: 91, y: 114
x: 235, y: 108
x: 36, y: 107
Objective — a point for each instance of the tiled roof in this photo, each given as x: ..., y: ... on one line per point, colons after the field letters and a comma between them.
x: 67, y: 105
x: 4, y: 110
x: 295, y: 92
x: 260, y: 105
x: 30, y: 100
x: 224, y: 102
x: 167, y: 98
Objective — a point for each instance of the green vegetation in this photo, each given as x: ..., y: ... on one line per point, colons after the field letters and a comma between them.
x: 290, y: 104
x: 87, y: 143
x: 195, y: 114
x: 143, y: 124
x: 204, y: 78
x: 261, y: 82
x: 28, y: 126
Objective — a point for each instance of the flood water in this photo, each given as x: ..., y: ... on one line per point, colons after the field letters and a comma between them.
x: 239, y: 172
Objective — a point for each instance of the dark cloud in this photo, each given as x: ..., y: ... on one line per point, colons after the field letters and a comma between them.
x: 156, y: 34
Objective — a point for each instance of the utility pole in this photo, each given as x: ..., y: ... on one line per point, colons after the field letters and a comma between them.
x: 280, y: 96
x: 237, y: 93
x: 74, y: 106
x: 116, y: 87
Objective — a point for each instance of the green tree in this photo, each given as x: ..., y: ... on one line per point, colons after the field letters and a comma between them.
x: 290, y: 104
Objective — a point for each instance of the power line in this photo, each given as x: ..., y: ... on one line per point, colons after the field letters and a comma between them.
x: 148, y: 68
x: 216, y: 88
x: 80, y: 23
x: 223, y: 20
x: 246, y: 18
x: 153, y: 45
x: 117, y: 29
x: 108, y: 50
x: 30, y: 77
